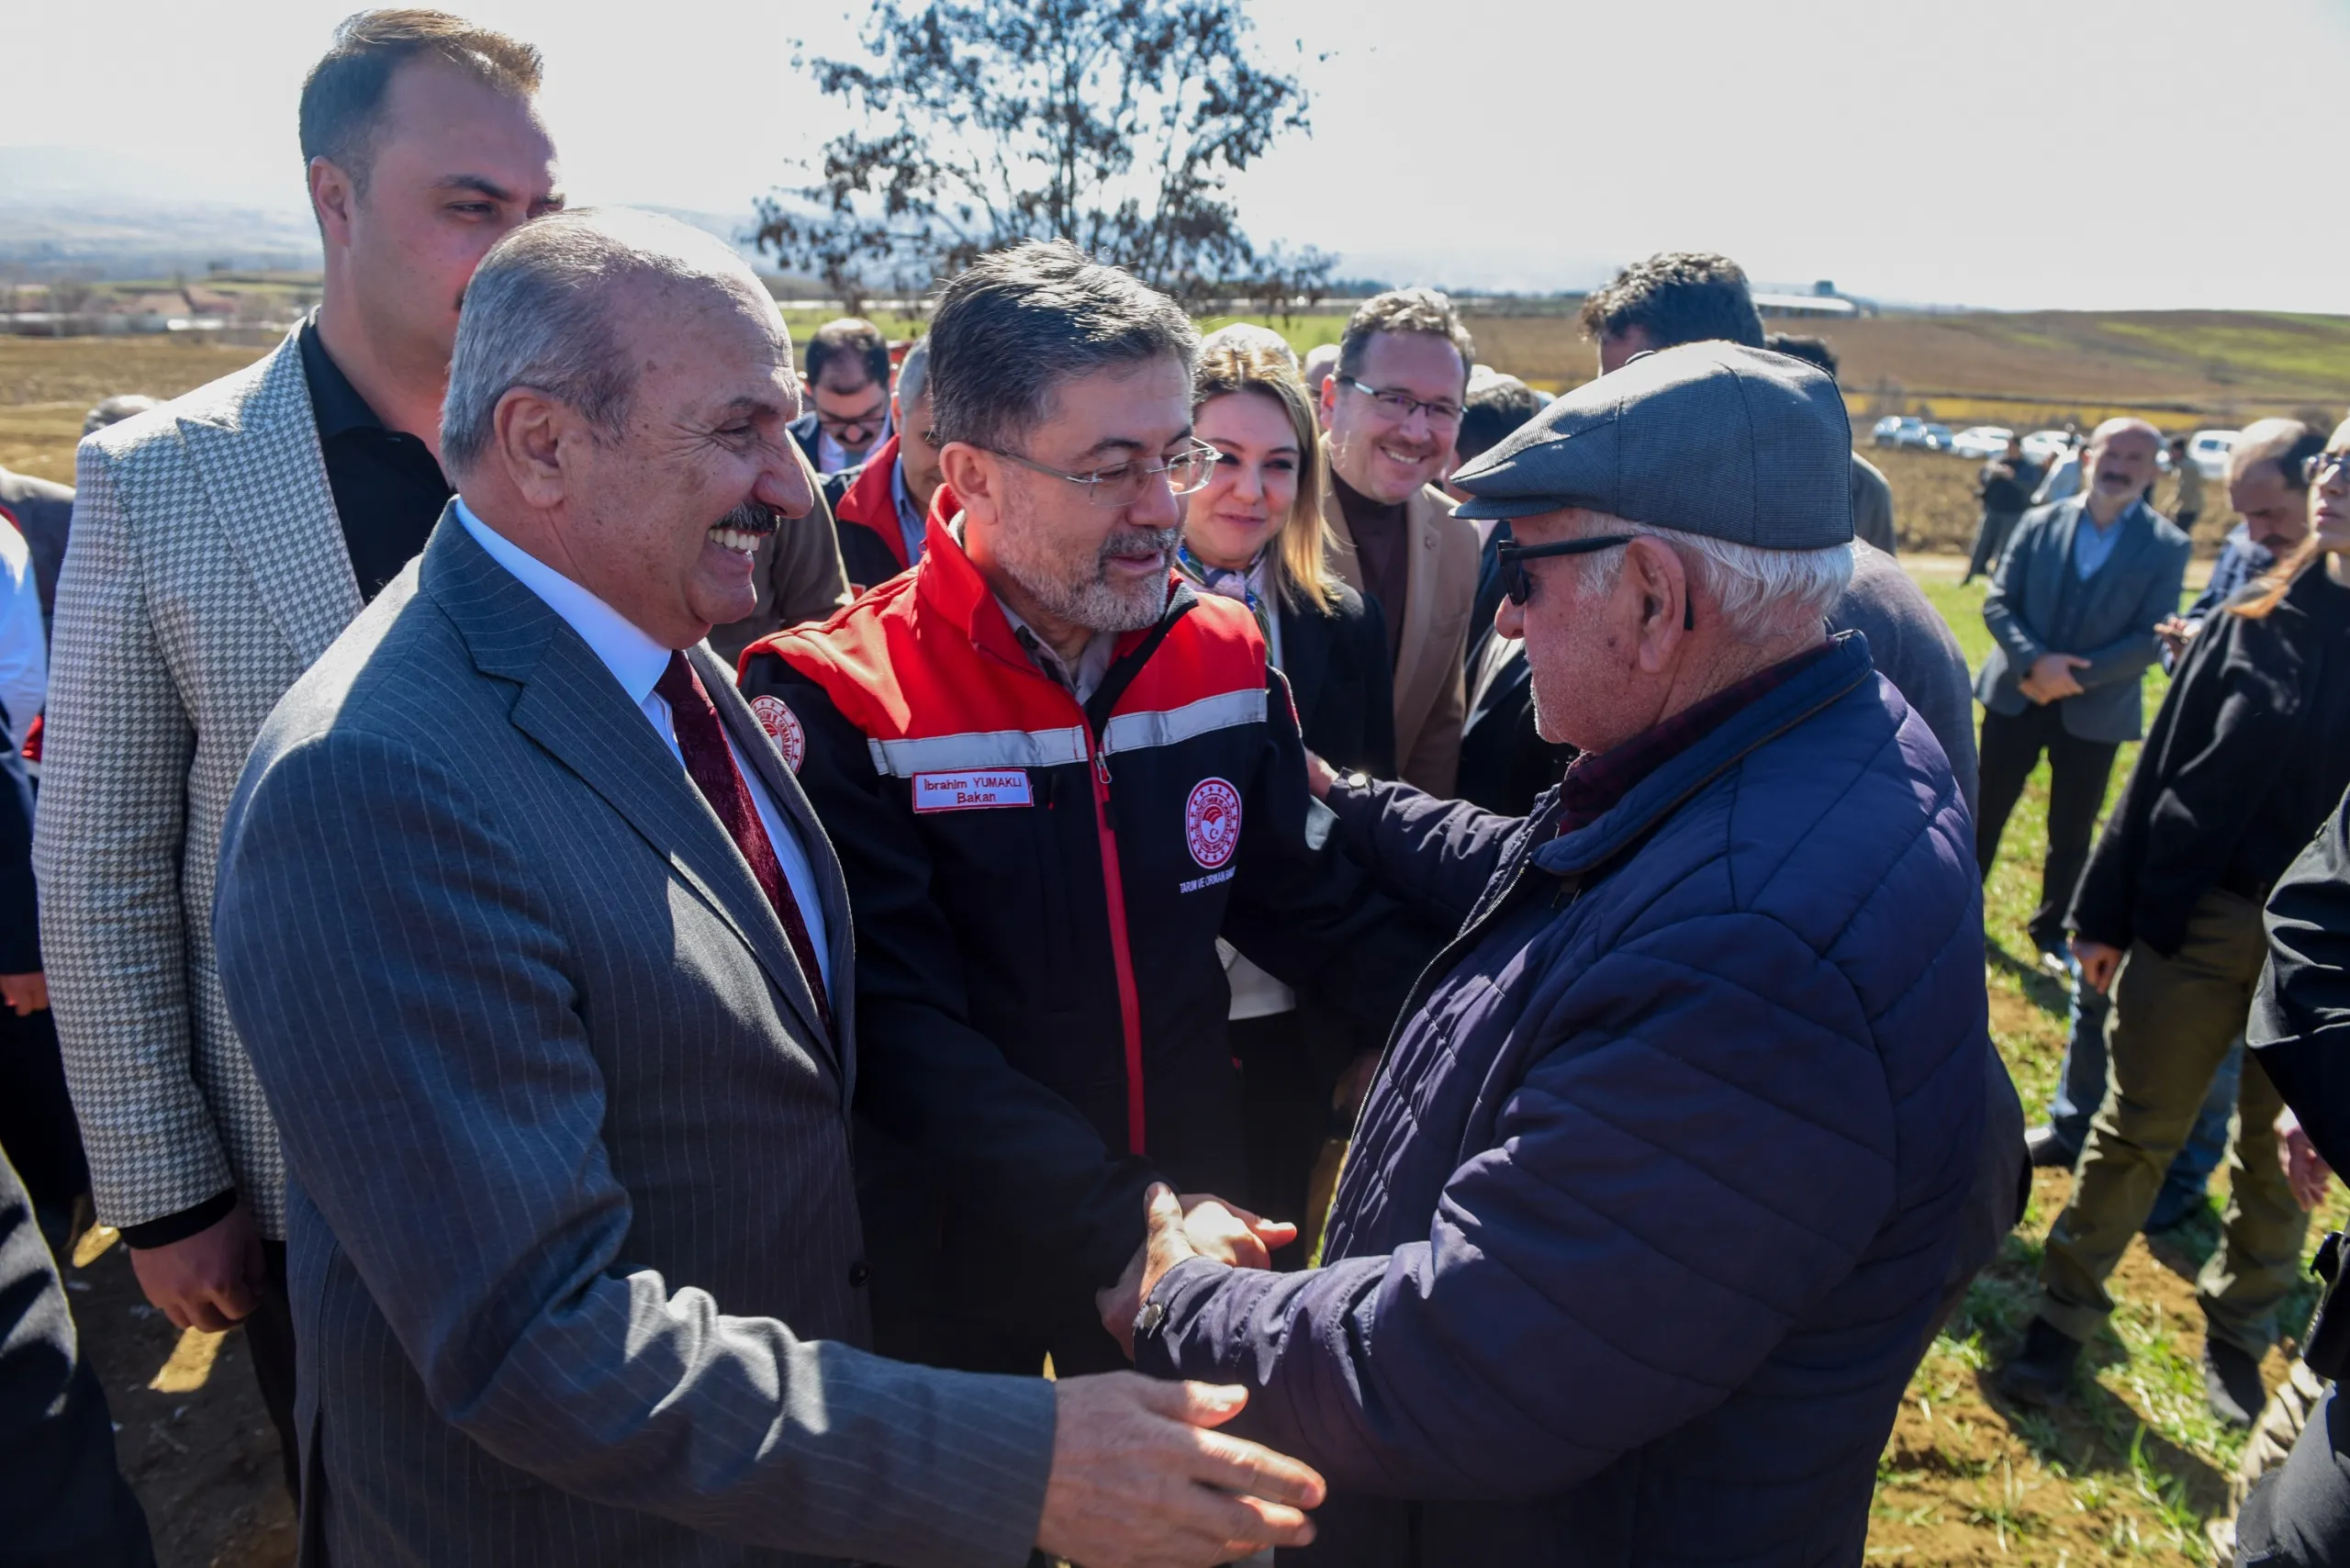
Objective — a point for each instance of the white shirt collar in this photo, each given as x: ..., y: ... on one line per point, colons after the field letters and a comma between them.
x: 635, y: 660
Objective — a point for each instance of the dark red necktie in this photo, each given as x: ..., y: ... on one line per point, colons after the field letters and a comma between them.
x: 710, y: 762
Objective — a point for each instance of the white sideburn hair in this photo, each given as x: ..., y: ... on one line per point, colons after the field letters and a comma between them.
x: 1761, y: 592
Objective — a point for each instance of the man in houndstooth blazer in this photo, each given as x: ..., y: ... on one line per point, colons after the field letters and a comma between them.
x: 209, y: 565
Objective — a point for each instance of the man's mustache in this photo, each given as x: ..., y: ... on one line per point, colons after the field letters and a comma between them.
x: 1140, y: 544
x: 752, y: 516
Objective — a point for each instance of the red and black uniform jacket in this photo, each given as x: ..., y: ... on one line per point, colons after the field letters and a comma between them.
x: 1038, y: 887
x: 865, y: 519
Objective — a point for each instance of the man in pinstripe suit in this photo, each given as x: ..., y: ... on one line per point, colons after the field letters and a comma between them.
x: 547, y: 967
x: 218, y: 544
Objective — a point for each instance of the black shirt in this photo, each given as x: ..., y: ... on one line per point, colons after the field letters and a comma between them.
x: 1382, y: 543
x: 389, y: 489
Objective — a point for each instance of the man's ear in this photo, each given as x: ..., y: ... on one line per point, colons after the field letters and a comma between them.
x: 977, y: 478
x: 333, y: 196
x: 1654, y: 569
x: 528, y: 431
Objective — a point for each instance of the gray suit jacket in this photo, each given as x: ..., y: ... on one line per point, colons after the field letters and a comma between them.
x: 574, y: 1235
x: 2137, y: 587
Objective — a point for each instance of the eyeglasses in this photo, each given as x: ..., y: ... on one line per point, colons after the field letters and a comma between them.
x: 1402, y: 406
x: 1519, y: 585
x: 839, y: 425
x: 1123, y: 484
x: 2315, y: 470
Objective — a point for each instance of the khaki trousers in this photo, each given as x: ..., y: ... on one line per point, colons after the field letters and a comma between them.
x: 2173, y: 1020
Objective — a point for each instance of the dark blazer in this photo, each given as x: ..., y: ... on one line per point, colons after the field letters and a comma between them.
x: 1340, y: 678
x: 2131, y: 594
x: 1505, y: 761
x: 62, y: 1499
x: 574, y: 1240
x: 2300, y: 1027
x: 803, y: 430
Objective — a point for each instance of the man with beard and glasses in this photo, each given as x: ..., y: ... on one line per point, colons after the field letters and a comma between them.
x: 1055, y: 774
x: 546, y: 966
x: 2072, y: 610
x: 219, y: 543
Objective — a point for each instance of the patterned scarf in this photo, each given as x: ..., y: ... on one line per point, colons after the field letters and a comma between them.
x: 1225, y: 583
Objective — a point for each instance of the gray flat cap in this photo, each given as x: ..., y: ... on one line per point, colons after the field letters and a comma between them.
x: 1713, y: 438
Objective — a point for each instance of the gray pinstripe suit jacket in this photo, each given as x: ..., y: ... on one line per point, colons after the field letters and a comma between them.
x: 574, y: 1233
x: 206, y: 570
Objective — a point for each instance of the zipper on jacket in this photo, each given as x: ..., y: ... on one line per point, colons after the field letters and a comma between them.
x: 1122, y: 956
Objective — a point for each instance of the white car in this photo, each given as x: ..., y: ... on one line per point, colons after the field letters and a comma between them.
x: 2208, y: 450
x: 1886, y: 431
x: 2044, y: 447
x: 1981, y: 443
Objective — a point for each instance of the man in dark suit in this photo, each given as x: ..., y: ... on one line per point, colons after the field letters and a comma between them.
x: 2072, y: 610
x: 545, y: 966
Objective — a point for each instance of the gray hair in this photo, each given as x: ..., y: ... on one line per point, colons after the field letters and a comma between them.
x: 913, y: 377
x: 1020, y: 321
x: 1762, y: 593
x: 538, y: 314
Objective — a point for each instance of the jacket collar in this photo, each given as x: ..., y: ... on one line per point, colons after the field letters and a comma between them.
x: 571, y: 705
x: 1655, y: 798
x: 872, y: 503
x: 256, y: 452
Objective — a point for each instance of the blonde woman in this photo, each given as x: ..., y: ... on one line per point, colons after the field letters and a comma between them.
x: 1256, y: 534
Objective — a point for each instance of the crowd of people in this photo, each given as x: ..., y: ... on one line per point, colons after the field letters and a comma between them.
x: 1071, y: 941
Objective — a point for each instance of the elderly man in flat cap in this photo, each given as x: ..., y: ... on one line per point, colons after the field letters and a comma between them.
x: 1659, y: 1190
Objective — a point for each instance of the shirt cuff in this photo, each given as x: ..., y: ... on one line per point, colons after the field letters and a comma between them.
x: 162, y: 1232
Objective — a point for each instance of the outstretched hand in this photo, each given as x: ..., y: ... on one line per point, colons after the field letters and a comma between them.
x: 1141, y: 1479
x: 1193, y: 1225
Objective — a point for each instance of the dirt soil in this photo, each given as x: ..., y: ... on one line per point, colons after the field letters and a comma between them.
x: 204, y: 1459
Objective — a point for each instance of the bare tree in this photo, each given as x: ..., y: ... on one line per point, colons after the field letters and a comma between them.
x: 1113, y: 123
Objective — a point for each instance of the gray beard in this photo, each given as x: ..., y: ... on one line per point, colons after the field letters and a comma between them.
x: 1091, y: 602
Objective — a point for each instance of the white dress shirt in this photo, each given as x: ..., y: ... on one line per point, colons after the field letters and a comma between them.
x: 24, y: 646
x: 637, y: 662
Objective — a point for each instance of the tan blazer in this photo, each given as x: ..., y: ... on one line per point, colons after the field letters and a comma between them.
x: 1431, y: 696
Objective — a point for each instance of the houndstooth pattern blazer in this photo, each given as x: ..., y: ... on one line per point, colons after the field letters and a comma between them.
x: 205, y: 571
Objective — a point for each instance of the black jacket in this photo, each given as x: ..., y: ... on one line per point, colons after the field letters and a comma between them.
x: 2299, y: 1028
x: 2250, y: 750
x: 1505, y: 762
x: 1343, y: 683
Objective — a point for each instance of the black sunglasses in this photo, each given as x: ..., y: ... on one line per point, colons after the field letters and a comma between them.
x: 1516, y: 582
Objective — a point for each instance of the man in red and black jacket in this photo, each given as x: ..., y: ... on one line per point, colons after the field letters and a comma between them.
x: 1056, y: 775
x: 878, y: 508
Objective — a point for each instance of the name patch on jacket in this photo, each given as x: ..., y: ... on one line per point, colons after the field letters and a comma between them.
x: 970, y: 791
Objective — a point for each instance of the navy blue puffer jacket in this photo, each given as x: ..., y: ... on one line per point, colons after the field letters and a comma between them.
x: 1659, y: 1184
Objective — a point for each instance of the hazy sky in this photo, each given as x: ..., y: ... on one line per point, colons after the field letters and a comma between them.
x: 2010, y: 152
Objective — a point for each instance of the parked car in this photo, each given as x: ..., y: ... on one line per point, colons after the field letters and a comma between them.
x: 1938, y: 438
x: 2044, y: 447
x: 1886, y: 431
x: 2208, y: 450
x: 1982, y: 442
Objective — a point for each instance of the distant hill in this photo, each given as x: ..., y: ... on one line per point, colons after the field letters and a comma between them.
x: 2179, y: 367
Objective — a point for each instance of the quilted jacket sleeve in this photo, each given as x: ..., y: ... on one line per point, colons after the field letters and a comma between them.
x: 107, y: 845
x: 1435, y: 855
x: 1667, y: 1191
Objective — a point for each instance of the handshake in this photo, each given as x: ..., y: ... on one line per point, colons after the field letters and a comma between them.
x: 1141, y: 1478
